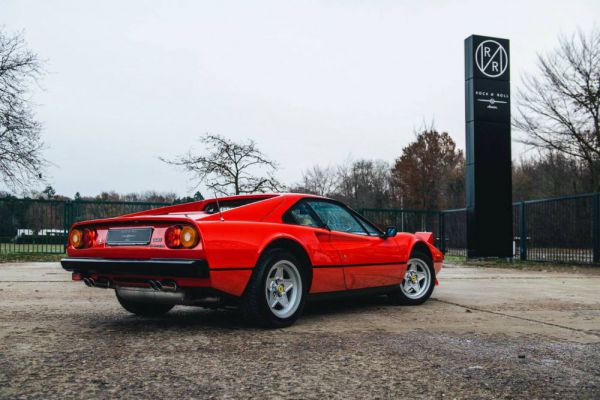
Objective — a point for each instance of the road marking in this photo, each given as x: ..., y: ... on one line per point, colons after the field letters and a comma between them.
x: 520, y: 318
x: 514, y: 277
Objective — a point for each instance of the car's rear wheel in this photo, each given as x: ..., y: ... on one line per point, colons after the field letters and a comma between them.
x: 418, y: 282
x: 276, y: 293
x: 144, y: 309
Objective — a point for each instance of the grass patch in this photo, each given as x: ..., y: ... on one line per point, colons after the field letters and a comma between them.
x: 523, y: 265
x: 35, y: 252
x: 30, y: 257
x: 31, y: 248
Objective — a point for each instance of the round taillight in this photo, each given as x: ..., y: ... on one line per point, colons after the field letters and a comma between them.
x: 173, y: 237
x: 89, y: 237
x: 76, y: 238
x: 188, y: 237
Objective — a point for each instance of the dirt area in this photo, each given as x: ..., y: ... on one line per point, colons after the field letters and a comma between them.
x: 486, y: 333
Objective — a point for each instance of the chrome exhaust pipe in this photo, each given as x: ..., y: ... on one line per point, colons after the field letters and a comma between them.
x: 168, y: 286
x: 103, y: 283
x: 164, y: 286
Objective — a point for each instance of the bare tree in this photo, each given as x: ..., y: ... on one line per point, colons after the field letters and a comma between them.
x: 549, y: 174
x: 364, y: 183
x: 359, y: 183
x: 558, y: 108
x: 318, y: 180
x: 228, y: 167
x: 150, y: 196
x: 21, y: 160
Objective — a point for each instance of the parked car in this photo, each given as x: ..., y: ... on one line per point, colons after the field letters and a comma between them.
x: 266, y: 253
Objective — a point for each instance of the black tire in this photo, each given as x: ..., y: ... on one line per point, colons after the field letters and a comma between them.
x: 400, y: 298
x: 254, y: 305
x: 144, y: 309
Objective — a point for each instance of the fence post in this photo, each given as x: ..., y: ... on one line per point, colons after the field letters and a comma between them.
x: 596, y: 227
x: 402, y: 220
x: 441, y: 232
x: 67, y: 221
x: 523, y: 221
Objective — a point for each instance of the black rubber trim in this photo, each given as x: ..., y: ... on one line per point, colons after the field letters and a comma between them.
x: 341, y: 294
x: 232, y: 269
x: 180, y: 268
x: 359, y: 265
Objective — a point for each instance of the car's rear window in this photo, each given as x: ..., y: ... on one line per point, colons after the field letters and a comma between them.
x: 212, y: 208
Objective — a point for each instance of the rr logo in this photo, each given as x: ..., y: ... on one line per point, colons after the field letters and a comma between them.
x: 491, y: 58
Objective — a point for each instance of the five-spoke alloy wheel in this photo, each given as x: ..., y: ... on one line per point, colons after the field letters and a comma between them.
x: 417, y: 279
x: 276, y: 293
x: 283, y: 288
x: 418, y: 282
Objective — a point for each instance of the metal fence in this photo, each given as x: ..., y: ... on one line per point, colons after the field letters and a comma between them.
x: 452, y: 237
x: 41, y: 226
x: 412, y: 220
x: 406, y: 220
x: 564, y: 229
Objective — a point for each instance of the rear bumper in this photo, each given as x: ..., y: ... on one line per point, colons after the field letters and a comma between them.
x: 178, y: 268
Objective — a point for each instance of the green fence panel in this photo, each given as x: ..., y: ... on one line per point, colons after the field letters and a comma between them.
x: 455, y: 232
x: 42, y: 226
x: 563, y: 229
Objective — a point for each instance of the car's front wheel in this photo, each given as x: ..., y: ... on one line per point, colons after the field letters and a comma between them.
x: 418, y: 282
x: 276, y: 293
x: 144, y: 309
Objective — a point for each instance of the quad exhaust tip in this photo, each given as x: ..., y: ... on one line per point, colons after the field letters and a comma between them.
x: 100, y: 283
x: 159, y: 286
x: 164, y: 286
x: 155, y: 285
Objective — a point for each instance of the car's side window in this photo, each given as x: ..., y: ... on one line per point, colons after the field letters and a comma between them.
x: 369, y: 227
x: 336, y: 217
x: 301, y: 214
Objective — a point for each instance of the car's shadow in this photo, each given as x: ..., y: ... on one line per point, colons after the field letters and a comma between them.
x: 344, y: 305
x: 183, y: 318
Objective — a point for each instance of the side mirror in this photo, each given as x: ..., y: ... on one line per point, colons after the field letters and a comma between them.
x: 390, y: 231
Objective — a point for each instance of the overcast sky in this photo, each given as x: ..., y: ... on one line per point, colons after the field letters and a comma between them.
x: 310, y: 81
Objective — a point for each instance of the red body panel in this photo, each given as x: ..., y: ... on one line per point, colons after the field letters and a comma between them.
x: 369, y: 260
x: 232, y: 246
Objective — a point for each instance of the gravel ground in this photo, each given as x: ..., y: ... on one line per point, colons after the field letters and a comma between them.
x: 486, y: 333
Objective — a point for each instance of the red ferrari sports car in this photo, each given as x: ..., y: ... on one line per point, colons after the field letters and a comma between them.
x: 266, y: 253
